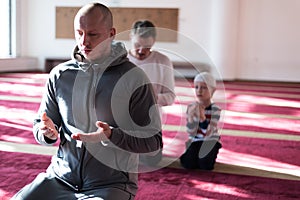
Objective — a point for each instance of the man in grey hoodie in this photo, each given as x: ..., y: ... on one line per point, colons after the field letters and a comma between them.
x: 101, y: 109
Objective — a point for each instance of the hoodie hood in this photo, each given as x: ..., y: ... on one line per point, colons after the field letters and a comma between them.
x: 117, y: 56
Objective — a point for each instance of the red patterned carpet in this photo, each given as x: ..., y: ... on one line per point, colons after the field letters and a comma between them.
x: 260, y: 135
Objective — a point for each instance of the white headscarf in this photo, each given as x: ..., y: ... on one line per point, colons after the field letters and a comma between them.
x: 207, y: 78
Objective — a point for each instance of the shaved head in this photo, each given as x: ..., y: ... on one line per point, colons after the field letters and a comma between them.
x: 94, y: 32
x: 97, y: 10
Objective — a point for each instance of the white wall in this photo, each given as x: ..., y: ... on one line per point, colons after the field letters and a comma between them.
x: 38, y: 29
x: 269, y: 42
x: 243, y: 39
x: 224, y: 36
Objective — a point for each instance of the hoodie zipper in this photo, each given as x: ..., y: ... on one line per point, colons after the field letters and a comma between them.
x: 88, y: 103
x: 91, y: 108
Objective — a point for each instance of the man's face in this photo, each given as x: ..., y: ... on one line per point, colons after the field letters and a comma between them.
x: 141, y: 46
x: 93, y: 37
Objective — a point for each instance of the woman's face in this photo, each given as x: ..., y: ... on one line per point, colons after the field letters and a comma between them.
x: 141, y: 46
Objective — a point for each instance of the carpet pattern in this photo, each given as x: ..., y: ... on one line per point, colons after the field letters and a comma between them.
x: 260, y: 133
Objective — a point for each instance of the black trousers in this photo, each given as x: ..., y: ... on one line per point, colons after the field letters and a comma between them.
x: 201, y: 155
x: 47, y: 187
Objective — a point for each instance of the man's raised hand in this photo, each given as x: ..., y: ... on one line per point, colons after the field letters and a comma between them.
x: 102, y: 134
x: 47, y: 127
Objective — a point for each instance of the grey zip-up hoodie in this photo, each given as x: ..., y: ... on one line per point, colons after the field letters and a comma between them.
x: 114, y: 91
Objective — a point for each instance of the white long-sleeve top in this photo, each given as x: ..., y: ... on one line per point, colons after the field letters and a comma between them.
x: 159, y: 69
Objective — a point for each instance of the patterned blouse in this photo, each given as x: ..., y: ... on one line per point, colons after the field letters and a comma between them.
x: 208, y: 129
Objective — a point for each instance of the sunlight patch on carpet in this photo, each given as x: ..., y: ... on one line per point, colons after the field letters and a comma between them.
x: 229, y: 94
x: 20, y: 98
x: 23, y: 116
x: 276, y: 125
x: 27, y: 148
x: 257, y: 162
x: 259, y: 115
x: 16, y: 126
x: 241, y: 133
x: 223, y: 189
